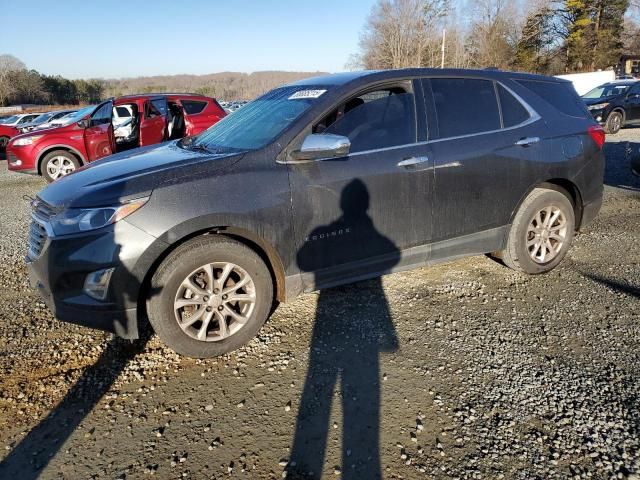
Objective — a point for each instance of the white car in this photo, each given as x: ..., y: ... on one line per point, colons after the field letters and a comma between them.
x: 20, y: 119
x: 43, y: 121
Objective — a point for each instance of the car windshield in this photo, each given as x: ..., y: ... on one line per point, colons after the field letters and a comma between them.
x: 259, y: 122
x: 83, y: 112
x: 42, y: 118
x: 604, y: 91
x: 10, y: 119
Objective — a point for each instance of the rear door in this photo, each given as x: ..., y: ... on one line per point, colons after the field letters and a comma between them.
x: 154, y: 121
x: 481, y: 158
x: 98, y: 136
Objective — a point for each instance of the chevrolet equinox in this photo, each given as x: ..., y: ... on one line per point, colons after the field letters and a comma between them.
x: 321, y: 182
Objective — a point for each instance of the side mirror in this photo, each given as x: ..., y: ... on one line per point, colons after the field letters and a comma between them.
x: 84, y: 123
x: 322, y: 146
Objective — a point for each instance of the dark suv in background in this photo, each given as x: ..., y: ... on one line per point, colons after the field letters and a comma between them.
x: 318, y: 183
x: 615, y: 104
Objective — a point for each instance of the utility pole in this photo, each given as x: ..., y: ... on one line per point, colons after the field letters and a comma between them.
x: 444, y: 31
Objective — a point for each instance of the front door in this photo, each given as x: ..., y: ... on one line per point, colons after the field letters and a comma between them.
x: 98, y: 136
x: 368, y: 213
x: 632, y: 104
x: 154, y: 121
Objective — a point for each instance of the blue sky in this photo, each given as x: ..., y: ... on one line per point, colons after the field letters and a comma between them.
x: 111, y: 39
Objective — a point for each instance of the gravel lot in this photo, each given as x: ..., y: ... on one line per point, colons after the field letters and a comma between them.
x: 487, y: 374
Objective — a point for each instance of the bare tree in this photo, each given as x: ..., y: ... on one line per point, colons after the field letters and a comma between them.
x: 8, y: 65
x: 494, y: 34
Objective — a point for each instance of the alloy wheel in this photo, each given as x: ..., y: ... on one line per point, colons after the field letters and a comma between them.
x: 59, y: 166
x: 546, y: 234
x: 215, y: 301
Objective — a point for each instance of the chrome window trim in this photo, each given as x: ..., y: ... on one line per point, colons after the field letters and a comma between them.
x: 533, y: 117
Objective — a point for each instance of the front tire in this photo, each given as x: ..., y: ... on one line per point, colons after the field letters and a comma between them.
x: 209, y: 297
x: 614, y: 123
x: 3, y: 143
x: 541, y: 232
x: 58, y: 164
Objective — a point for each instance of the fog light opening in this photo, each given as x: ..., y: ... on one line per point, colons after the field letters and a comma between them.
x: 96, y: 285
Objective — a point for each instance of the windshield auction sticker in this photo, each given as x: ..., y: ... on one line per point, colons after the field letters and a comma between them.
x: 306, y: 94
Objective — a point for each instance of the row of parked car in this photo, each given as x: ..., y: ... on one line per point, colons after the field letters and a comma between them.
x: 54, y: 147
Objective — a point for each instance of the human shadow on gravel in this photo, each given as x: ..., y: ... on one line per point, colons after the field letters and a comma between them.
x: 352, y: 326
x: 614, y: 285
x: 622, y: 160
x: 32, y: 454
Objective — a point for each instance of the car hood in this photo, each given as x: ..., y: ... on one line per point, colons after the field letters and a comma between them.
x: 132, y: 174
x: 595, y: 101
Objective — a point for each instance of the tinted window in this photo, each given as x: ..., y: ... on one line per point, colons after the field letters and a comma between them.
x: 377, y: 120
x: 102, y: 115
x: 161, y: 105
x: 513, y: 112
x: 152, y: 111
x: 123, y: 112
x: 193, y: 107
x: 465, y: 106
x: 559, y: 94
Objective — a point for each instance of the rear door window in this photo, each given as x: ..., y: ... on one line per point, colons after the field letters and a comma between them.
x: 160, y: 105
x: 193, y: 107
x: 513, y: 112
x: 465, y: 106
x: 380, y: 119
x: 560, y: 95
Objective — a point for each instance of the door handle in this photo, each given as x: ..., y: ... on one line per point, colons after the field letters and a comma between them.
x: 412, y: 162
x: 525, y: 142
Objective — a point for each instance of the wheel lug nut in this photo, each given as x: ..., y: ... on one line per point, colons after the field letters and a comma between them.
x: 216, y: 291
x: 224, y: 297
x: 209, y: 309
x: 205, y: 298
x: 220, y: 308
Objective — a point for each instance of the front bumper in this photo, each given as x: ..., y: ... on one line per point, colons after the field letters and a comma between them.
x: 21, y: 159
x: 59, y: 271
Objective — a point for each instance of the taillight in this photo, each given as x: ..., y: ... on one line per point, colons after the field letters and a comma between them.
x: 596, y: 132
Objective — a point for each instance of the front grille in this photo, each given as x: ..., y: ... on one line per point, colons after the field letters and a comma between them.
x: 42, y: 210
x: 37, y: 239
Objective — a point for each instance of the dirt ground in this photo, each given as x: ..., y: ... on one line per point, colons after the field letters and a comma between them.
x: 465, y: 370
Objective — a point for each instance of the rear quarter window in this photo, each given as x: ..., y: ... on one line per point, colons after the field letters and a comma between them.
x: 193, y: 107
x: 562, y: 96
x: 513, y: 112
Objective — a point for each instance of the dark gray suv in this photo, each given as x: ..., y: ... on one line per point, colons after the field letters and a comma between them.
x: 318, y: 183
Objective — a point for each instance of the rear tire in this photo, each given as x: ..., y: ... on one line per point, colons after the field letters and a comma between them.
x: 191, y: 282
x: 613, y: 123
x: 541, y: 232
x: 58, y: 164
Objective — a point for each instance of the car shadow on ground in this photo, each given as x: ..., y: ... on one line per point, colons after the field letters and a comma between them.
x: 345, y: 349
x: 34, y: 452
x: 619, y: 174
x: 616, y: 286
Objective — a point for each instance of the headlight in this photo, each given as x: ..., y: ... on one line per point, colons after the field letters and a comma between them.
x: 20, y: 142
x: 598, y: 106
x: 75, y: 220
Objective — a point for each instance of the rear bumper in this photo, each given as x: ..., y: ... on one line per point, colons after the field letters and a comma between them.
x: 590, y: 212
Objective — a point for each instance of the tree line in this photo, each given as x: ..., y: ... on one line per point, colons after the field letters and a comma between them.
x: 542, y: 36
x: 19, y: 85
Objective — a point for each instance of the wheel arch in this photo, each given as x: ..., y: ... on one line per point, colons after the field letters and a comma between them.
x: 564, y: 186
x: 50, y: 148
x: 258, y: 244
